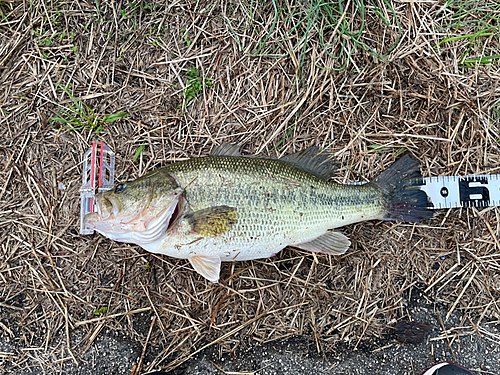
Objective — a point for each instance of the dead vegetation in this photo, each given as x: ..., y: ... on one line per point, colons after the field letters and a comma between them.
x: 420, y: 77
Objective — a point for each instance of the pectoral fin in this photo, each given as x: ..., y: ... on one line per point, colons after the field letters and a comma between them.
x: 331, y: 243
x: 207, y: 266
x: 212, y: 221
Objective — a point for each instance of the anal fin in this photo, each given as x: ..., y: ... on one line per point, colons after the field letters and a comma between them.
x: 331, y: 243
x: 207, y: 266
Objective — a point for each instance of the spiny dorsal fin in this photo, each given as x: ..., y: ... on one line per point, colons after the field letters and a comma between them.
x: 212, y: 221
x: 331, y: 243
x: 226, y: 149
x: 314, y: 160
x: 206, y: 266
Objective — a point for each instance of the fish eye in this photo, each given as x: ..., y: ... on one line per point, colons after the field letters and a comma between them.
x: 120, y: 188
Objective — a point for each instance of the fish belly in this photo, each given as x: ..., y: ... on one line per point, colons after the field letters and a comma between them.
x: 216, y: 247
x: 232, y: 246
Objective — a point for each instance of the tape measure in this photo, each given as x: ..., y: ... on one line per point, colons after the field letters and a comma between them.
x: 457, y: 191
x: 461, y: 191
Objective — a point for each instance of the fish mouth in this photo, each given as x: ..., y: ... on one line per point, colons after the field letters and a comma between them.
x: 140, y: 228
x: 106, y: 207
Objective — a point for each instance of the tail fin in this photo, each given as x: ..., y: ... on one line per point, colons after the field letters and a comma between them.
x: 405, y: 201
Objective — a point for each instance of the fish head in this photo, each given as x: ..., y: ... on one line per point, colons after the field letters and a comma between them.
x: 139, y: 211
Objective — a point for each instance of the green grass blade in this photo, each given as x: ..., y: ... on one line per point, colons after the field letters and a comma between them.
x: 138, y: 152
x: 114, y: 116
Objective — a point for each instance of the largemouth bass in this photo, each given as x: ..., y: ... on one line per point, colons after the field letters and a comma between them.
x: 229, y: 207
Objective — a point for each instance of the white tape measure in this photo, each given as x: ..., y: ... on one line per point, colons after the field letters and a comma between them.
x: 462, y: 191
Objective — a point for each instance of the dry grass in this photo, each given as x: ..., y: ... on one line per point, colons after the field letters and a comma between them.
x: 134, y: 57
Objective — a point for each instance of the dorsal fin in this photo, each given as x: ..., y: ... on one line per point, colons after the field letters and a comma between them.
x: 314, y: 160
x: 226, y: 149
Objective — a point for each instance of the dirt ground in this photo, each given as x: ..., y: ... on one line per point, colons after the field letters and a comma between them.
x: 164, y: 81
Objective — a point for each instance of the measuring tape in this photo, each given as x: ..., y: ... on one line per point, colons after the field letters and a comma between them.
x: 461, y: 191
x: 458, y: 191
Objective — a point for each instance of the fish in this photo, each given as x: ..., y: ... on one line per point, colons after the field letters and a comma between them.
x: 228, y: 207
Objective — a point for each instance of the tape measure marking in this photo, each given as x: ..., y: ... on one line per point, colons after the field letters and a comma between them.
x: 461, y: 191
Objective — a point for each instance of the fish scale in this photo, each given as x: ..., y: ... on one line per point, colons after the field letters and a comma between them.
x: 277, y: 204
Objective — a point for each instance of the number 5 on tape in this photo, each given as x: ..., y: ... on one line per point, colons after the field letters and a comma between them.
x: 462, y: 191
